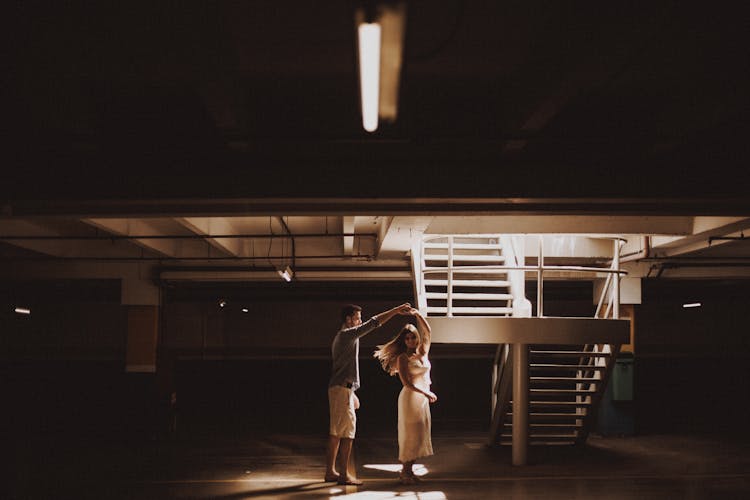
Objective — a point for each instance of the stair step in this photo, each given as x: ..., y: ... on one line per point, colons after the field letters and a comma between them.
x: 470, y: 270
x: 556, y: 392
x: 552, y: 426
x: 542, y: 443
x: 470, y: 296
x: 476, y: 283
x: 471, y: 310
x: 465, y: 258
x: 465, y: 246
x: 559, y: 403
x: 542, y: 366
x: 587, y: 380
x: 544, y: 436
x: 583, y: 354
x: 551, y: 415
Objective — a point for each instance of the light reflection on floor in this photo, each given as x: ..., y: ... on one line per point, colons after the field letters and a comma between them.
x: 419, y: 469
x: 388, y: 495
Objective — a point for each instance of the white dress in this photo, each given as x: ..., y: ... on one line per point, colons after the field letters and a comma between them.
x: 414, y: 421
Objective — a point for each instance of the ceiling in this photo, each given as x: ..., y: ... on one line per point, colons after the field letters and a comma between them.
x: 129, y: 124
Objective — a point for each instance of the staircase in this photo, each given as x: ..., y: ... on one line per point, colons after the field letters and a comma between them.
x: 484, y: 275
x: 566, y: 384
x: 463, y: 277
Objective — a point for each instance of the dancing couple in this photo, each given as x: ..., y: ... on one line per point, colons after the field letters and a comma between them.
x: 406, y: 355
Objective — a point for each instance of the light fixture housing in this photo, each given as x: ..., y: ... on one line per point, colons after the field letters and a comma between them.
x: 286, y: 274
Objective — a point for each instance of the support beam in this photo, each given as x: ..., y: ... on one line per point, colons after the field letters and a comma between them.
x: 558, y: 224
x: 400, y: 233
x: 520, y: 403
x: 348, y: 228
x: 704, y: 228
x: 143, y: 328
x: 510, y: 330
x: 154, y: 227
x: 214, y: 225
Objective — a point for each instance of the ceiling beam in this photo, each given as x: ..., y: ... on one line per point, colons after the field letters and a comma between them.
x: 706, y: 229
x: 155, y: 227
x: 214, y: 225
x: 50, y: 240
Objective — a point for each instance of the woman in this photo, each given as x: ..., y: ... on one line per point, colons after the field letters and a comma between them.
x: 407, y: 355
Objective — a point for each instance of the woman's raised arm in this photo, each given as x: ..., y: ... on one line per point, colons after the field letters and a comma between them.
x: 424, y: 330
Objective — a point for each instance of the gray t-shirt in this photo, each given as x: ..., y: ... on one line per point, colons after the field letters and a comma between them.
x: 345, y: 354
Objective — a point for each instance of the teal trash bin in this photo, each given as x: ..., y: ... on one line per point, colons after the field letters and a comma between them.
x: 616, y: 413
x: 622, y: 379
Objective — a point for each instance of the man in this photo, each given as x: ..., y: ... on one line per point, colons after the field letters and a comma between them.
x: 344, y: 381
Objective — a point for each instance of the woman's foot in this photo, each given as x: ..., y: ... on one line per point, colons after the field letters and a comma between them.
x: 349, y: 481
x: 406, y: 477
x: 331, y: 477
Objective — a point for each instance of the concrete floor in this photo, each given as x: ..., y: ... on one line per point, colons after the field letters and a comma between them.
x: 291, y: 466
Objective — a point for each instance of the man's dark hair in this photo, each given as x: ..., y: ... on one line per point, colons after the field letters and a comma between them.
x: 349, y: 310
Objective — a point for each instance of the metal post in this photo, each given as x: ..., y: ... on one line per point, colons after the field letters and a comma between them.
x: 520, y: 403
x: 449, y: 296
x: 616, y: 290
x: 540, y: 279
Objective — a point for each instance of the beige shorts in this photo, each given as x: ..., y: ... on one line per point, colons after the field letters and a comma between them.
x: 341, y: 407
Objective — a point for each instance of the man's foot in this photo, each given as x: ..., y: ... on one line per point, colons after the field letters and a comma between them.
x: 331, y: 478
x: 349, y: 481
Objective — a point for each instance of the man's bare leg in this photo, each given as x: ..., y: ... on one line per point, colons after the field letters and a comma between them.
x: 345, y: 452
x: 333, y: 448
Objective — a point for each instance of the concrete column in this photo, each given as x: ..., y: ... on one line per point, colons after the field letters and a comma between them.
x: 142, y: 341
x: 520, y: 403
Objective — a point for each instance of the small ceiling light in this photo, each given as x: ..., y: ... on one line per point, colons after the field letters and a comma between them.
x: 286, y: 274
x: 222, y: 303
x: 245, y: 309
x: 22, y: 310
x: 692, y: 304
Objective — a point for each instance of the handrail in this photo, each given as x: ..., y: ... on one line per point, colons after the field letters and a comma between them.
x: 610, y: 290
x: 468, y: 269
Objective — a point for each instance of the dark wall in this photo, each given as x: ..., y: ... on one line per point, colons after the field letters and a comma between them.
x: 63, y: 366
x: 70, y: 319
x: 692, y: 365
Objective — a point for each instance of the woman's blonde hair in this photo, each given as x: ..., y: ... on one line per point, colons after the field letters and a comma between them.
x: 390, y: 351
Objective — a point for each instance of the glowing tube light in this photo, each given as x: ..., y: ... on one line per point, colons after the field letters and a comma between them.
x: 692, y: 304
x: 369, y: 73
x: 22, y: 310
x: 286, y: 274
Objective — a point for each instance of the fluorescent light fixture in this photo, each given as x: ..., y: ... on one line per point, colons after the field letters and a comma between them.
x: 392, y: 18
x: 245, y: 309
x: 22, y: 310
x: 287, y: 274
x: 369, y: 73
x: 692, y: 304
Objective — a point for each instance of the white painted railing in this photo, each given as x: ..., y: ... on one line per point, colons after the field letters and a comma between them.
x: 508, y: 259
